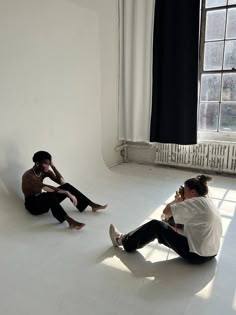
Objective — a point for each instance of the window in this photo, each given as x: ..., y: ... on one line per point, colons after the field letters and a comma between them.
x: 217, y: 99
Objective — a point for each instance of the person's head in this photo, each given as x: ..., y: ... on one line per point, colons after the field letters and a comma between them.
x: 42, y: 160
x: 196, y: 187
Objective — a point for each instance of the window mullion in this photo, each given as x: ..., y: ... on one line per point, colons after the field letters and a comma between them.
x: 219, y: 73
x: 221, y: 83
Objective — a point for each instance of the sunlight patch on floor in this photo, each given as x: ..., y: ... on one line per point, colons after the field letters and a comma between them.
x: 206, y: 292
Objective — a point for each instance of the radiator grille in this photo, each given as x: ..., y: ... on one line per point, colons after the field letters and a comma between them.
x: 210, y: 156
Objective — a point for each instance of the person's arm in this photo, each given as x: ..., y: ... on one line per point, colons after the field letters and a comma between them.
x: 49, y: 188
x: 55, y: 175
x: 185, y: 211
x: 167, y: 211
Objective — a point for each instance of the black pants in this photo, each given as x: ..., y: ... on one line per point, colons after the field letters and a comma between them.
x: 43, y: 202
x: 165, y: 235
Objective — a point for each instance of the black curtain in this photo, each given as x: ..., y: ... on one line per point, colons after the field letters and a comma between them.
x: 175, y: 72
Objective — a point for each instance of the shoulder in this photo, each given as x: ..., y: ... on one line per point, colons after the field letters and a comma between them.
x: 27, y: 174
x: 203, y: 200
x: 201, y: 203
x: 193, y: 203
x: 197, y: 200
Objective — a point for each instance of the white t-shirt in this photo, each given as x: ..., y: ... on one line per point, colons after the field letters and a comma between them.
x: 202, y: 224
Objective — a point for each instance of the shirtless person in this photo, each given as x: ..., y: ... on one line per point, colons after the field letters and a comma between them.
x: 38, y: 202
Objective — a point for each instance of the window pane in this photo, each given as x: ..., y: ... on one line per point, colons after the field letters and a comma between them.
x: 230, y: 54
x: 215, y: 3
x: 215, y: 25
x: 228, y: 117
x: 229, y: 87
x: 210, y: 87
x: 231, y: 1
x: 213, y: 56
x: 208, y: 116
x: 231, y: 24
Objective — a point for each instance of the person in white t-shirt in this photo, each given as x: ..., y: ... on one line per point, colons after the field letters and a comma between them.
x: 202, y: 227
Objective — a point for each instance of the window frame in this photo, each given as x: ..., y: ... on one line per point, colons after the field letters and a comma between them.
x: 217, y: 135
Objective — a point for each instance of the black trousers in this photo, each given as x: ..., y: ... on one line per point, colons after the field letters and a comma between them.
x: 165, y: 235
x: 42, y: 203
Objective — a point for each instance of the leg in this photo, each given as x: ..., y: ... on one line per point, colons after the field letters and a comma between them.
x: 95, y: 207
x: 165, y: 235
x: 45, y: 201
x: 156, y: 230
x: 59, y: 213
x: 83, y: 201
x: 34, y: 206
x: 51, y: 200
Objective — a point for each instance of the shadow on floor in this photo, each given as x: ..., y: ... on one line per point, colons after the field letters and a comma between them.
x: 170, y: 278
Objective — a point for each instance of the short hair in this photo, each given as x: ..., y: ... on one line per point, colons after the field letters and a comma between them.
x: 199, y: 184
x: 41, y: 155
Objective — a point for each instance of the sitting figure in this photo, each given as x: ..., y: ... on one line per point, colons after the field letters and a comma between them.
x: 202, y: 227
x: 38, y: 202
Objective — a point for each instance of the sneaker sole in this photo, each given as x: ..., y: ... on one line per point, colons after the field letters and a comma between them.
x: 111, y: 230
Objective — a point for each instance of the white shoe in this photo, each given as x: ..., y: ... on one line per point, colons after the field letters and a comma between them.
x: 115, y: 235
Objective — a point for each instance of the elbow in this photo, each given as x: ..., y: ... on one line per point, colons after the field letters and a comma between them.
x: 167, y: 211
x: 62, y: 181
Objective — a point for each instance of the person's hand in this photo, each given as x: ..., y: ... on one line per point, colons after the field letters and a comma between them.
x: 73, y: 199
x: 164, y: 218
x: 52, y: 164
x: 178, y: 197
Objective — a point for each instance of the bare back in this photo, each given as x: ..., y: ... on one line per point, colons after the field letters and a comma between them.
x: 32, y: 184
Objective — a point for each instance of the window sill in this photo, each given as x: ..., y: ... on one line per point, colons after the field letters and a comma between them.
x: 216, y: 136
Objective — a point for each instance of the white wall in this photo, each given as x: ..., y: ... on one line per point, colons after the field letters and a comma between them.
x: 107, y: 12
x: 58, y: 85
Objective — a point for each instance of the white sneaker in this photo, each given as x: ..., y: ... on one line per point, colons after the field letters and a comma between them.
x: 115, y: 235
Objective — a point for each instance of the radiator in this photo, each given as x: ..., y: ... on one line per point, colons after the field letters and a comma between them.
x: 217, y: 156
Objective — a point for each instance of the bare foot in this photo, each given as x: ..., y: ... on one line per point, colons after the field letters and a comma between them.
x: 96, y: 207
x: 74, y: 224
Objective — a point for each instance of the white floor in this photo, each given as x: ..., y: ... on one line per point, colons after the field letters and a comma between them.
x: 47, y: 269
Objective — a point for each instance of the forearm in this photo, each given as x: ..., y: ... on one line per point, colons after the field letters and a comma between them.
x: 50, y: 188
x: 167, y: 211
x: 58, y: 175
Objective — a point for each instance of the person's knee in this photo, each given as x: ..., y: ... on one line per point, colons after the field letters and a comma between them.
x: 157, y: 229
x: 155, y: 225
x: 154, y: 222
x: 66, y: 186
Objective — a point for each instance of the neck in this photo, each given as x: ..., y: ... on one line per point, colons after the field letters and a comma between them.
x: 36, y: 171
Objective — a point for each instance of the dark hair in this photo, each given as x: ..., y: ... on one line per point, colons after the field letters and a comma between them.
x: 41, y: 155
x: 199, y: 184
